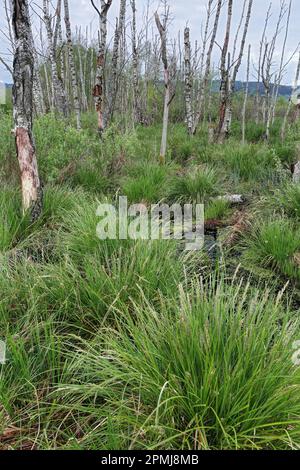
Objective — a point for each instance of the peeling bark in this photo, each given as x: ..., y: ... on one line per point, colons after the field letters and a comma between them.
x: 23, y: 72
x: 98, y: 91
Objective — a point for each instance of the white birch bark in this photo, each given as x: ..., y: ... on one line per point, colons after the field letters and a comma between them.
x: 58, y: 92
x: 98, y: 90
x: 188, y: 81
x: 246, y: 97
x: 23, y: 71
x: 75, y: 90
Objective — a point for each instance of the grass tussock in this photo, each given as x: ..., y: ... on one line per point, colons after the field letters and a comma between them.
x: 134, y: 344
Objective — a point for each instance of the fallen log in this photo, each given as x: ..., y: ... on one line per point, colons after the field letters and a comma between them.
x: 234, y: 199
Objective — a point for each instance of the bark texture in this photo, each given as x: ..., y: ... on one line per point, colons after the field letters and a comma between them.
x: 188, y: 81
x: 58, y: 92
x: 75, y: 90
x: 162, y: 28
x: 98, y: 91
x: 23, y: 73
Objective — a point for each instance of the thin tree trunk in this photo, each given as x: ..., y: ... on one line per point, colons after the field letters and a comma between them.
x: 98, y: 91
x: 58, y: 93
x: 120, y: 26
x: 224, y: 93
x: 246, y: 97
x: 237, y: 66
x: 283, y: 128
x: 135, y: 62
x: 281, y: 67
x: 162, y: 28
x: 205, y: 81
x: 23, y: 71
x: 188, y: 81
x: 74, y: 82
x: 259, y: 71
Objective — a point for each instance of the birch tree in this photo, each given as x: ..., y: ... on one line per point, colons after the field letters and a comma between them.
x: 205, y: 81
x: 188, y: 81
x: 288, y: 110
x: 114, y: 84
x: 246, y: 96
x: 135, y: 65
x: 23, y: 72
x: 98, y: 91
x: 58, y: 92
x: 236, y: 65
x: 75, y: 90
x: 224, y: 88
x: 162, y: 29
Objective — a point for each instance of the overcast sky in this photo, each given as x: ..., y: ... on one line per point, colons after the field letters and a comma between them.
x: 192, y: 12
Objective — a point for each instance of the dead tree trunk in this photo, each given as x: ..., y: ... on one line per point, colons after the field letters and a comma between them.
x: 98, y: 91
x: 120, y: 26
x: 58, y: 92
x: 266, y: 70
x: 237, y: 67
x: 23, y: 71
x: 205, y: 80
x: 162, y: 28
x: 224, y: 93
x: 188, y: 81
x: 281, y: 67
x: 246, y: 97
x: 74, y: 82
x: 135, y: 66
x: 283, y: 128
x: 259, y: 71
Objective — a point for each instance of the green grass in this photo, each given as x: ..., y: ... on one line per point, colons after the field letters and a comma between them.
x: 275, y: 244
x: 195, y: 186
x: 132, y: 344
x: 212, y: 370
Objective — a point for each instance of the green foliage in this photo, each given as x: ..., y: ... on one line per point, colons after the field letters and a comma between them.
x: 147, y: 183
x: 214, y: 363
x: 216, y: 210
x: 285, y: 199
x: 11, y: 219
x: 194, y: 186
x: 146, y: 339
x: 249, y: 162
x: 275, y: 244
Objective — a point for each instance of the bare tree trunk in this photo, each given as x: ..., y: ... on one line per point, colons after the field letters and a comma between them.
x: 259, y: 71
x: 281, y: 67
x: 162, y: 28
x: 224, y: 93
x: 205, y: 81
x: 246, y: 97
x: 58, y: 93
x: 188, y: 81
x: 266, y: 69
x: 135, y: 63
x: 23, y: 71
x: 237, y: 66
x: 75, y: 90
x: 98, y: 91
x: 283, y: 128
x: 120, y: 26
